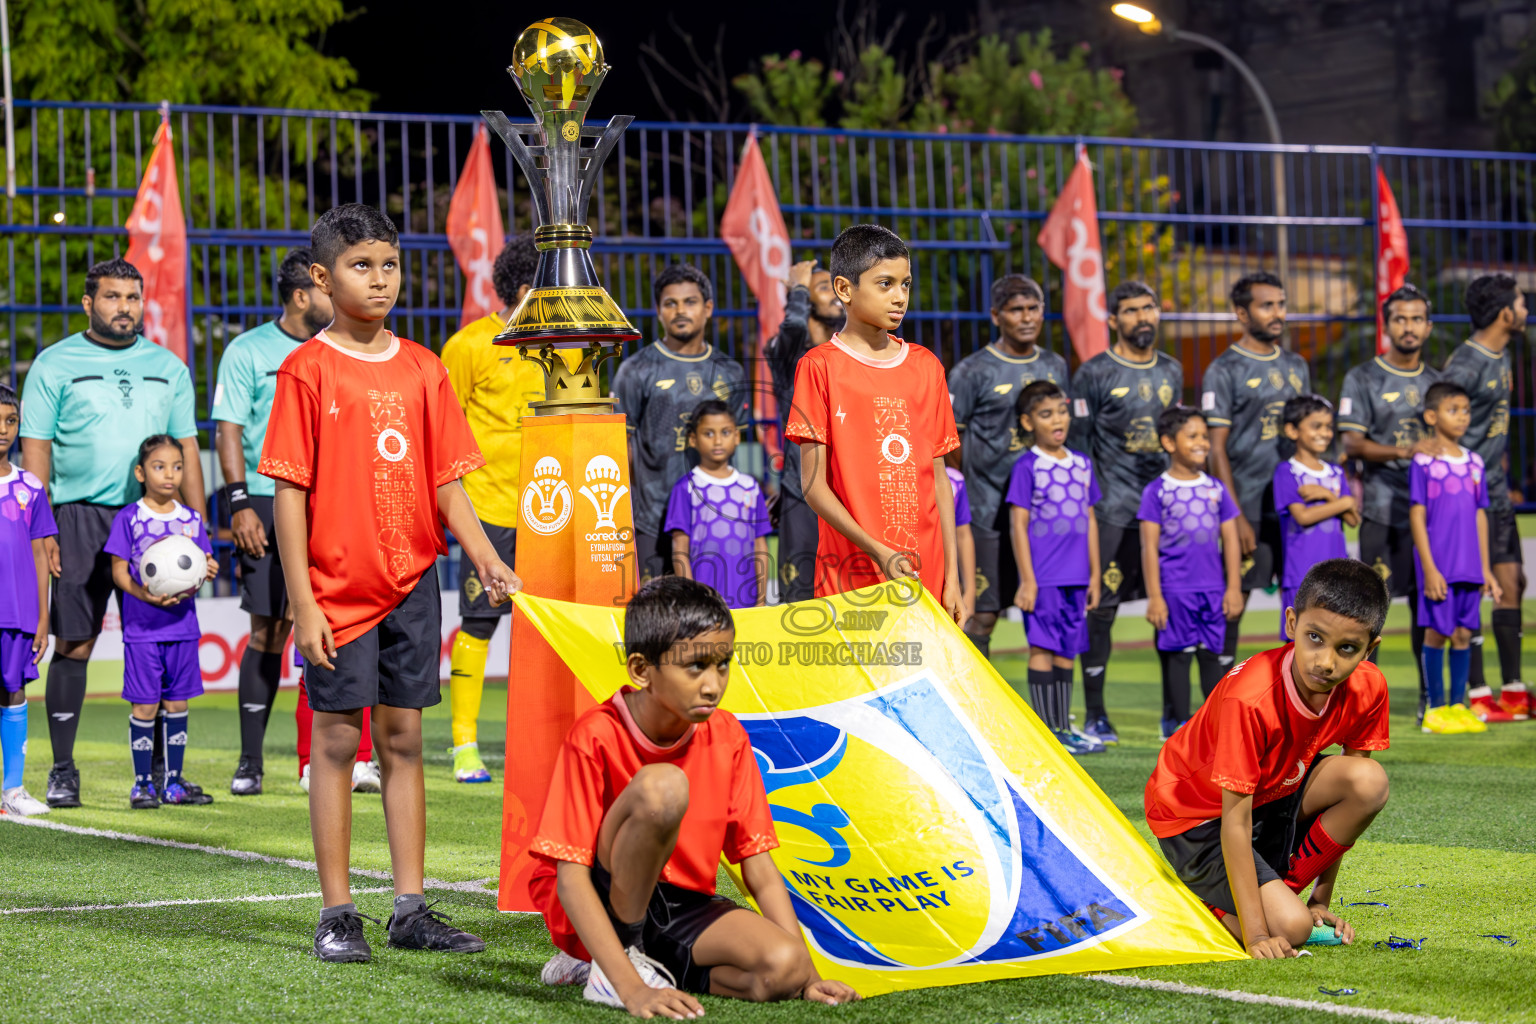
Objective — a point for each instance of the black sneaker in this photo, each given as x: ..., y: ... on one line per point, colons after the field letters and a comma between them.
x: 143, y: 797
x: 340, y: 940
x: 429, y: 929
x: 192, y: 793
x: 247, y: 780
x: 63, y: 785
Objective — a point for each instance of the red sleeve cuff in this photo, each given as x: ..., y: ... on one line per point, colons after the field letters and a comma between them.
x: 1235, y: 785
x: 544, y: 847
x: 752, y: 846
x: 460, y: 468
x: 281, y: 469
x: 802, y: 431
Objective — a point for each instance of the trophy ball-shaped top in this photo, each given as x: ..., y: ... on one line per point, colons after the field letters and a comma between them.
x: 558, y: 62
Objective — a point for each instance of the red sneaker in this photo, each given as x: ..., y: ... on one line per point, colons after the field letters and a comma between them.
x: 1485, y: 708
x: 1517, y: 703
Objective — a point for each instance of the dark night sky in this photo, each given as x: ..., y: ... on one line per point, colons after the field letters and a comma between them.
x: 416, y: 62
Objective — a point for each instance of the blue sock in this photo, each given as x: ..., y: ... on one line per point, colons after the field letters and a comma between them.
x: 1461, y: 665
x: 142, y: 736
x: 13, y: 739
x: 1434, y: 675
x: 175, y: 745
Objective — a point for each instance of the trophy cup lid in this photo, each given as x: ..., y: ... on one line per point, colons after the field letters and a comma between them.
x: 558, y: 62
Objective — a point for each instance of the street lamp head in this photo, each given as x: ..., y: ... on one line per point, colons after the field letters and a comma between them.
x: 1140, y: 16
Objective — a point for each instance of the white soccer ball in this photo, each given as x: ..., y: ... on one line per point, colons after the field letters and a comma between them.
x: 173, y: 566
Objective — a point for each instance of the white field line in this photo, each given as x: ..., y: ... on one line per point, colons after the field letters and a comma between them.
x: 477, y: 886
x: 1339, y: 1009
x: 184, y: 903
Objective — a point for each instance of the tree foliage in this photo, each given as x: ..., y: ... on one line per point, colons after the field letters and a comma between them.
x: 247, y: 53
x: 1028, y: 86
x: 1512, y: 103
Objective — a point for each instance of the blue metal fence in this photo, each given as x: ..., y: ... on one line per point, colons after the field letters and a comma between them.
x: 1187, y: 217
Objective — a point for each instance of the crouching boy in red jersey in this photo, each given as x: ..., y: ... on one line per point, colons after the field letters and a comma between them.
x: 650, y: 788
x: 1245, y: 809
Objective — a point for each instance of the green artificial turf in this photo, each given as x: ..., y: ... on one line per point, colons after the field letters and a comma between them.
x: 1457, y: 830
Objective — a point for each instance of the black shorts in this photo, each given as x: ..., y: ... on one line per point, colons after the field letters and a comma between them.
x: 263, y: 590
x: 395, y: 663
x: 997, y: 574
x: 674, y: 920
x: 1278, y: 831
x: 1389, y: 550
x: 80, y: 593
x: 1120, y: 566
x: 799, y: 533
x: 473, y: 604
x: 653, y: 554
x: 1260, y: 568
x: 1504, y: 538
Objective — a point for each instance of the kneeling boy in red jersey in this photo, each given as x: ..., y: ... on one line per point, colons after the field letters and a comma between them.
x: 1246, y: 810
x: 650, y: 788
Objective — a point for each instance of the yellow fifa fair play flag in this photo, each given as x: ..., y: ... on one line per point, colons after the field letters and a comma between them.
x: 933, y: 831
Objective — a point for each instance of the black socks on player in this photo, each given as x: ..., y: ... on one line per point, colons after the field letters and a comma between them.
x: 1064, y: 696
x: 260, y: 675
x: 1176, y: 665
x: 1042, y: 695
x: 1100, y: 643
x: 1212, y: 667
x: 1228, y: 656
x: 1506, y: 634
x: 64, y: 699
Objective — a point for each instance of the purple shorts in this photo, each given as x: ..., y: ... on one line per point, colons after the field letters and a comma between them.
x: 16, y: 667
x: 1463, y: 606
x: 1287, y: 600
x: 156, y: 670
x: 1059, y: 622
x: 1194, y: 620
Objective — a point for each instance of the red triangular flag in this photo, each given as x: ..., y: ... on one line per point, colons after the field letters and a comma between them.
x: 753, y: 228
x: 474, y: 229
x: 1391, y: 252
x: 1070, y: 239
x: 157, y: 246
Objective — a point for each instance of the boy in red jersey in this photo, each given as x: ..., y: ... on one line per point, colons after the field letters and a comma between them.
x: 367, y: 444
x: 873, y: 419
x: 1246, y: 811
x: 650, y: 788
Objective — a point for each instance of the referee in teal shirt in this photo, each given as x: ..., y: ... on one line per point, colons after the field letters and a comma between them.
x: 87, y: 403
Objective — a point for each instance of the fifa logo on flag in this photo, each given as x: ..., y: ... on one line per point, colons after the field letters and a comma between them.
x: 603, y: 489
x: 547, y: 498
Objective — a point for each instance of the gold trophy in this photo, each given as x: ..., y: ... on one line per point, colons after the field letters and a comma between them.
x: 558, y: 65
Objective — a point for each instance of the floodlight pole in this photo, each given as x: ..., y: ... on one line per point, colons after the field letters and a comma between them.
x: 1277, y: 159
x: 10, y: 112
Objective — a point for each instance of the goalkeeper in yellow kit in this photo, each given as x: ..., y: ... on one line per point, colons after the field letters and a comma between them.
x: 495, y: 386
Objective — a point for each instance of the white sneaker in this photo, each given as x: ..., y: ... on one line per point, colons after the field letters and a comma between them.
x: 564, y: 969
x: 18, y: 801
x: 600, y: 990
x: 304, y: 779
x: 365, y: 777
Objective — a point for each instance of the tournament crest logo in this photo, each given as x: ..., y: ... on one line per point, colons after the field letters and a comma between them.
x: 1412, y: 394
x: 547, y: 501
x: 695, y: 384
x: 604, y: 487
x: 1113, y: 577
x: 721, y: 390
x: 1165, y: 392
x: 1296, y: 382
x: 1277, y: 380
x: 980, y: 873
x: 1144, y: 390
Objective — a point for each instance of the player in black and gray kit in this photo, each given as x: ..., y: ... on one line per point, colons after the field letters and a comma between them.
x: 1381, y: 423
x: 982, y: 389
x: 1242, y: 395
x: 812, y: 314
x: 1483, y: 366
x: 1119, y: 396
x: 657, y: 389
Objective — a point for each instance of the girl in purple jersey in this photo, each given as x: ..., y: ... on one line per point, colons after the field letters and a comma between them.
x: 1310, y: 496
x: 160, y: 634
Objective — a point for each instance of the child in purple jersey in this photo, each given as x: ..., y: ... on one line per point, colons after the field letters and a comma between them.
x: 1051, y: 494
x: 1188, y: 547
x: 1448, y: 517
x: 1311, y: 497
x: 25, y: 519
x: 160, y: 634
x: 965, y: 544
x: 716, y: 516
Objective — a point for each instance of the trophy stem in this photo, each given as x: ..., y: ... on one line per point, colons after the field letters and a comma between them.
x: 568, y: 391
